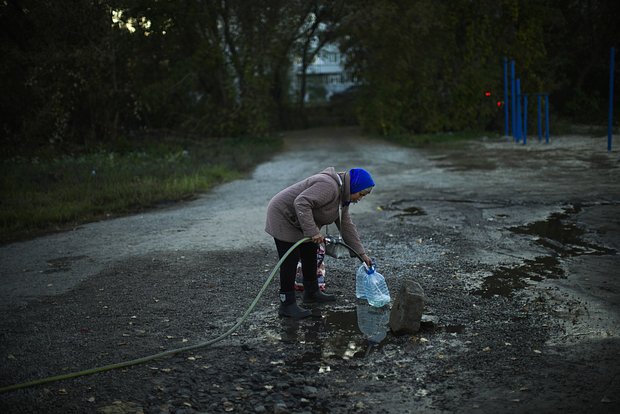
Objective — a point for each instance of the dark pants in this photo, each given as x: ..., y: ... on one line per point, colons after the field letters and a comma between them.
x: 307, y: 253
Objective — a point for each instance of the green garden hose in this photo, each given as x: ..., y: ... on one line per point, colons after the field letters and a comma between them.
x: 161, y: 354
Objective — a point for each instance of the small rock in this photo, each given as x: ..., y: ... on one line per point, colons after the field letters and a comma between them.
x: 280, y: 408
x: 310, y: 391
x: 429, y: 321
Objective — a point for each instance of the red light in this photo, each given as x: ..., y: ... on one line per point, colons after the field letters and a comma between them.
x: 500, y: 104
x: 487, y: 93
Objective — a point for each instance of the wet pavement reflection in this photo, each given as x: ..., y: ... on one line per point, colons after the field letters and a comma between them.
x: 342, y: 333
x: 562, y: 238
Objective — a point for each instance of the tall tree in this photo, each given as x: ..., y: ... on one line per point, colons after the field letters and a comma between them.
x: 322, y: 26
x: 579, y: 37
x: 55, y: 72
x: 425, y: 64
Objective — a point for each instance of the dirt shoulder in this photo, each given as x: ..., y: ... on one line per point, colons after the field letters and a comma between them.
x: 515, y: 247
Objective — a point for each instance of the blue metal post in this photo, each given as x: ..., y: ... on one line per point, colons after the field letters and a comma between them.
x: 539, y: 117
x: 524, y: 119
x: 513, y: 99
x: 518, y: 123
x: 610, y: 122
x: 546, y: 119
x: 506, y: 132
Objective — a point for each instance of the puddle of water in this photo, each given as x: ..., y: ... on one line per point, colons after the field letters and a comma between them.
x: 351, y: 333
x: 406, y: 211
x: 412, y: 211
x: 61, y: 264
x: 561, y: 237
x: 555, y: 234
x: 339, y: 333
x: 506, y: 280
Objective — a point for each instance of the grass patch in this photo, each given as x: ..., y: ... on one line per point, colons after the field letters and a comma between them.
x: 439, y: 140
x: 51, y: 193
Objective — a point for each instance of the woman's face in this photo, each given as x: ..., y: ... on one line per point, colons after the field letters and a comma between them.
x: 355, y: 197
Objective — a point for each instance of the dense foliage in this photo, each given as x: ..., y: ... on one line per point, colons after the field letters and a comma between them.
x: 101, y: 70
x: 427, y: 64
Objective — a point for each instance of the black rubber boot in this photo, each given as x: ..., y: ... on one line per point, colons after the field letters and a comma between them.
x: 289, y: 308
x: 312, y: 293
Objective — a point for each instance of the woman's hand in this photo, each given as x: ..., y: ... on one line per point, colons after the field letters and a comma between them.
x: 367, y: 260
x: 318, y: 238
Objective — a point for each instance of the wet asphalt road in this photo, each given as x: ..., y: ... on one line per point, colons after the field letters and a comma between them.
x: 492, y: 230
x: 482, y: 191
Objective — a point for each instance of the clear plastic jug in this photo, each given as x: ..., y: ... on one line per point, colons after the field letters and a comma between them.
x: 370, y: 285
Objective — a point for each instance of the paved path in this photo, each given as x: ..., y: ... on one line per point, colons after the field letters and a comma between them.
x: 494, y: 182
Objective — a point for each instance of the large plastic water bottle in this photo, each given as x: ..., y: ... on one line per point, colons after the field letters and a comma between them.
x: 360, y: 277
x: 376, y: 289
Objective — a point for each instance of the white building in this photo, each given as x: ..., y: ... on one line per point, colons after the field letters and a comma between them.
x: 325, y: 76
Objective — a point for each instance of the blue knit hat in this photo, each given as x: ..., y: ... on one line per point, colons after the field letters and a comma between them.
x: 360, y: 180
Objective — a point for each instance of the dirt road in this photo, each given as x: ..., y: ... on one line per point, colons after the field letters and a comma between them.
x: 515, y: 246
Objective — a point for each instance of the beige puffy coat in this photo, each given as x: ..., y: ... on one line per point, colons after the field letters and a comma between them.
x: 301, y: 209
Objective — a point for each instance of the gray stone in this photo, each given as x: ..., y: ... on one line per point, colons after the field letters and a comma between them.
x: 310, y: 391
x: 280, y: 408
x: 406, y: 312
